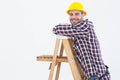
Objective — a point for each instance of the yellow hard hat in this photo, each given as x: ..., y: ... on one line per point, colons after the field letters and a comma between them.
x: 76, y: 6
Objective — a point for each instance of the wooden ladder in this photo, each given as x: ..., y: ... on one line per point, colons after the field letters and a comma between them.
x: 63, y: 43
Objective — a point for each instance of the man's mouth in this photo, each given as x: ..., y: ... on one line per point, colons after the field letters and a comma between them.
x: 74, y: 20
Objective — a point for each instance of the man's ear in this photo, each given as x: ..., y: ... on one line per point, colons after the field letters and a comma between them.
x: 83, y: 14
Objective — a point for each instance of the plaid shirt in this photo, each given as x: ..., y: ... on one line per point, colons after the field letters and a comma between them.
x: 86, y: 46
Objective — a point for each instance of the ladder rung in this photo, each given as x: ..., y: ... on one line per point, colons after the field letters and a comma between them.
x: 50, y: 58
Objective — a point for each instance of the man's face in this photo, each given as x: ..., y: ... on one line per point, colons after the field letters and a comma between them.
x: 75, y: 16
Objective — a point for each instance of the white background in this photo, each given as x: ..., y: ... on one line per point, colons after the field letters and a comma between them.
x: 26, y: 32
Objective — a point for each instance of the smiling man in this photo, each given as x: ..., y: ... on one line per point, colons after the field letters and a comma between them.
x: 85, y: 42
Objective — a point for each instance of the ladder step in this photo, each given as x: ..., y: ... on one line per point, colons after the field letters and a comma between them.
x: 50, y: 58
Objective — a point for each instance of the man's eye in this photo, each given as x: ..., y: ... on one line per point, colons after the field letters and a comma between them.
x: 71, y: 14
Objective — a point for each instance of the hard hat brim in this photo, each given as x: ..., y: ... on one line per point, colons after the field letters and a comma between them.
x: 77, y: 10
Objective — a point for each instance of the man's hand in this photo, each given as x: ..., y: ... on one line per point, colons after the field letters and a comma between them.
x: 54, y: 30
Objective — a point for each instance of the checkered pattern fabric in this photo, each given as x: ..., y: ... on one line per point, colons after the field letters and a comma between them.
x: 86, y: 46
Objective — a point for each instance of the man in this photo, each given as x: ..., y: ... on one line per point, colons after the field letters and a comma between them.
x: 85, y: 42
